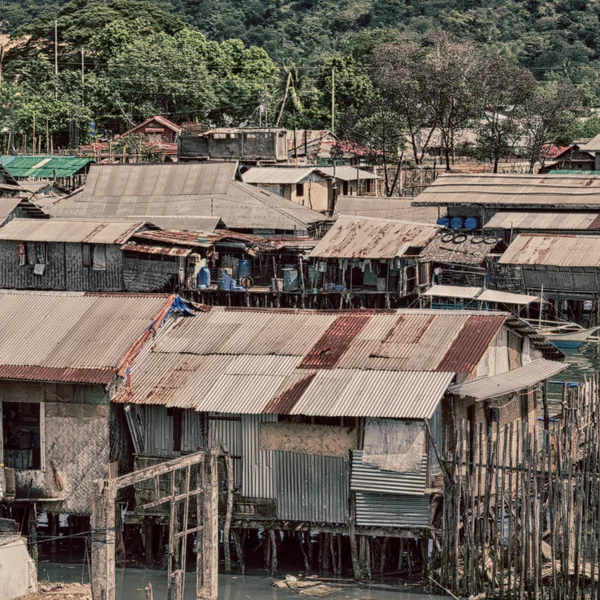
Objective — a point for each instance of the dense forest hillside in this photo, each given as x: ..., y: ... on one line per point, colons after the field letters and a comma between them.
x: 556, y: 38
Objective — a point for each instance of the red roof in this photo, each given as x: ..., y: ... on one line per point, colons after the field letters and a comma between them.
x: 158, y: 119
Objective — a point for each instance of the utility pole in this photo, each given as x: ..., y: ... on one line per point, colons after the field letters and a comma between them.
x: 56, y: 48
x: 332, y: 99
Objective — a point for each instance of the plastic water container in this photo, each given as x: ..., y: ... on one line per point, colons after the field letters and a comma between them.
x: 224, y: 280
x: 457, y: 223
x: 290, y: 280
x: 244, y: 269
x: 444, y: 221
x: 472, y: 223
x: 203, y: 278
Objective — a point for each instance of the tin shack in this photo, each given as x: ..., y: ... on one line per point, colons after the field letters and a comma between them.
x: 332, y: 420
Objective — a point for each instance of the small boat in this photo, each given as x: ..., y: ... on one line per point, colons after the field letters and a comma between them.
x: 571, y: 339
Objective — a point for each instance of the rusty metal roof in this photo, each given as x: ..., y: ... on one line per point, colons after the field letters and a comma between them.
x: 386, y: 208
x: 546, y: 221
x: 134, y: 246
x: 74, y: 337
x: 394, y: 364
x: 278, y: 175
x: 363, y: 237
x: 346, y: 173
x: 556, y: 191
x: 512, y: 381
x: 57, y: 230
x: 558, y: 250
x: 180, y: 190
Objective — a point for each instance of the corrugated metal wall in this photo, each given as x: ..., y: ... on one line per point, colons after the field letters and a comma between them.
x: 367, y: 478
x: 312, y: 488
x: 192, y: 434
x: 387, y: 510
x: 225, y: 429
x: 158, y: 431
x: 258, y: 466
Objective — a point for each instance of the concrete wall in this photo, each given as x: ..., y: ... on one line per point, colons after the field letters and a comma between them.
x: 316, y: 195
x: 64, y: 270
x: 18, y: 572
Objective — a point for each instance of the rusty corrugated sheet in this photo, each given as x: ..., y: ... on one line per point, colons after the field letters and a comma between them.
x: 286, y: 399
x: 471, y: 343
x: 558, y: 250
x: 334, y: 342
x: 389, y: 510
x: 362, y: 237
x: 71, y: 335
x: 65, y: 374
x: 134, y: 246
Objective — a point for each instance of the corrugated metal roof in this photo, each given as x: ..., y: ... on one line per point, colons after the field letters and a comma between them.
x: 277, y: 175
x: 181, y: 190
x: 479, y: 294
x: 507, y: 297
x: 490, y: 189
x: 452, y: 291
x: 512, y: 381
x: 135, y: 246
x: 559, y: 250
x: 7, y: 205
x: 386, y: 208
x: 545, y: 221
x: 394, y: 364
x: 63, y: 336
x: 352, y: 237
x: 348, y: 173
x: 5, y: 176
x: 466, y: 252
x: 368, y: 478
x: 592, y: 146
x: 44, y: 167
x: 57, y: 230
x: 188, y: 224
x: 388, y: 510
x: 356, y: 393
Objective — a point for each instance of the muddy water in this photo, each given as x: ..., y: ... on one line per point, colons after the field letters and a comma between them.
x: 131, y: 583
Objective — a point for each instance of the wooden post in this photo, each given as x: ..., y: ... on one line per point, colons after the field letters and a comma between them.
x: 148, y: 592
x: 32, y: 531
x: 273, y: 541
x: 229, y: 511
x: 353, y: 544
x: 103, y: 540
x: 177, y: 586
x: 207, y: 583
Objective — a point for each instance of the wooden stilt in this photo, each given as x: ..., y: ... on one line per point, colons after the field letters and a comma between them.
x: 238, y: 541
x: 274, y: 564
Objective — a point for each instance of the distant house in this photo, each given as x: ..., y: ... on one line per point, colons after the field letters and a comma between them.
x: 484, y: 195
x: 593, y: 147
x: 63, y: 358
x: 90, y: 256
x: 571, y: 158
x: 370, y: 256
x: 207, y: 189
x: 156, y: 130
x: 68, y: 172
x: 246, y: 145
x: 305, y: 186
x: 352, y: 181
x: 563, y: 266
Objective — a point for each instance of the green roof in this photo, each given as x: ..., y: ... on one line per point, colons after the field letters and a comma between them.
x: 44, y: 167
x: 572, y: 172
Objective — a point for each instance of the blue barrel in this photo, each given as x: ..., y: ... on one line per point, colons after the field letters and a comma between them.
x: 203, y: 278
x: 471, y: 223
x: 244, y: 269
x: 290, y: 280
x: 224, y: 280
x: 444, y: 221
x: 457, y: 223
